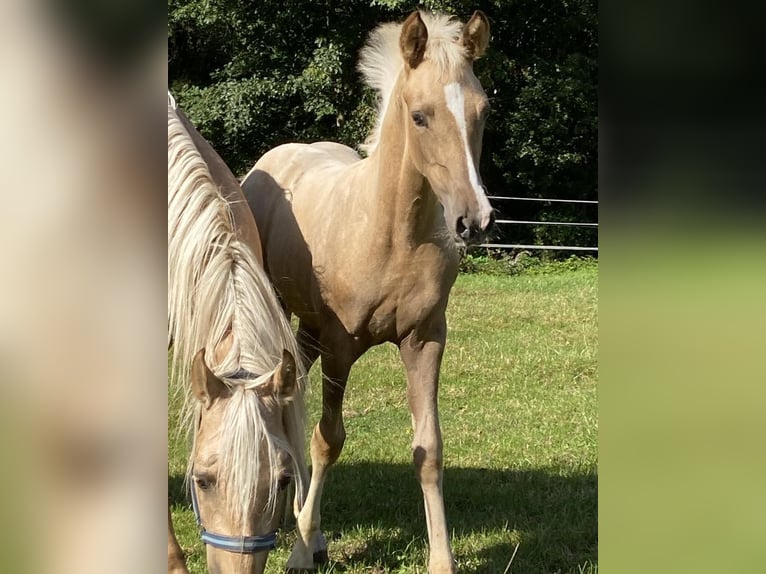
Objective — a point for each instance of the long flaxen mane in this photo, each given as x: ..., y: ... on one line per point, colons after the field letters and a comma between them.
x: 381, y: 62
x: 216, y: 289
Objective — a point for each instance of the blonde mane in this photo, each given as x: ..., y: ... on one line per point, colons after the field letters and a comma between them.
x: 381, y: 62
x: 216, y: 289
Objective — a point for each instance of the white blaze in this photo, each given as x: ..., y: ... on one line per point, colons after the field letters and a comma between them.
x: 453, y: 93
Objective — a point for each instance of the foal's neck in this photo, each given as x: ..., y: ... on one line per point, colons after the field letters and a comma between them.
x: 406, y: 207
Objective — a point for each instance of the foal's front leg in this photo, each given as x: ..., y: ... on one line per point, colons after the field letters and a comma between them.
x: 422, y: 355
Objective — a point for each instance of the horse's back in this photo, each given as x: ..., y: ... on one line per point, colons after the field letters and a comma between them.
x: 288, y: 163
x: 291, y: 191
x: 303, y: 185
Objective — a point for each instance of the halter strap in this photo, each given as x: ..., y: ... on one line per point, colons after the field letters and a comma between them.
x: 239, y: 544
x: 242, y: 374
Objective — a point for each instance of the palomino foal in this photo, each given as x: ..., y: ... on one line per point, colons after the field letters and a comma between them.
x: 364, y: 252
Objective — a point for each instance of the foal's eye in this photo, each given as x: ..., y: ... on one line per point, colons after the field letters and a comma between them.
x: 420, y: 119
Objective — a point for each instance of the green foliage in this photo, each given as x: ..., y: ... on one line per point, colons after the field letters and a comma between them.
x: 254, y: 75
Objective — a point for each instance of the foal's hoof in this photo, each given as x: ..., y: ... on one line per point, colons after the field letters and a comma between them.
x: 321, y: 558
x: 300, y: 571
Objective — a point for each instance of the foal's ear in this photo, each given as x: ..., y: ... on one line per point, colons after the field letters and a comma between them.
x: 412, y: 40
x: 205, y: 385
x: 284, y: 381
x: 476, y: 35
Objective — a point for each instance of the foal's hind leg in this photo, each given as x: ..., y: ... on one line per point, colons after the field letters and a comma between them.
x: 422, y: 355
x: 176, y: 561
x: 326, y: 445
x: 308, y: 343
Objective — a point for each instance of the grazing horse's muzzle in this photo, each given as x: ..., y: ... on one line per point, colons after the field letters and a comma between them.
x: 474, y: 232
x: 235, y: 544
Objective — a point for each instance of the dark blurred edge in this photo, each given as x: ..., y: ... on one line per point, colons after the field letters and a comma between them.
x: 114, y: 33
x: 681, y: 107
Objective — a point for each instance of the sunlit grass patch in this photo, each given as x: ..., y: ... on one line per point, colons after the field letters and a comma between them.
x: 519, y: 418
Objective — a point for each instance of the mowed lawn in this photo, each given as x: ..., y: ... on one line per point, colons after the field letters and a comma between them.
x: 519, y: 420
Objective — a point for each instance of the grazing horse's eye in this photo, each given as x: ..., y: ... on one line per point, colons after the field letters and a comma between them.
x: 420, y: 119
x: 204, y: 482
x: 284, y: 482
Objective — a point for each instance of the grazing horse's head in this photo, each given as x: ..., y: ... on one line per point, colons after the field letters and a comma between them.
x: 445, y: 110
x: 241, y: 463
x: 243, y: 392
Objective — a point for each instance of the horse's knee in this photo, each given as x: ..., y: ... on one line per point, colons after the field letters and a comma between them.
x: 428, y: 463
x: 327, y: 442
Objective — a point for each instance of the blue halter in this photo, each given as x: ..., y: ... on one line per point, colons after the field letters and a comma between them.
x: 239, y: 544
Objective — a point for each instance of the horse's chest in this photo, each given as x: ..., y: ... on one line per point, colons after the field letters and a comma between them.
x: 389, y: 307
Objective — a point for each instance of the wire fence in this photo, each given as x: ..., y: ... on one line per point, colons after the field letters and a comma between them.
x: 559, y: 223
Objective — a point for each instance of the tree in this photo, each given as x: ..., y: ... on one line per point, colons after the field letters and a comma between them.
x: 254, y: 75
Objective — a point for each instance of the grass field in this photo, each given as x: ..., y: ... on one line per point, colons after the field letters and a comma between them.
x: 519, y: 419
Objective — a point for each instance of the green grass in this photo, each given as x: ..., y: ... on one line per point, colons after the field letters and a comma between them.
x: 519, y: 419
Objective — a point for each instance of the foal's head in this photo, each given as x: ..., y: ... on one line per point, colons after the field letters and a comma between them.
x: 445, y: 109
x: 242, y: 462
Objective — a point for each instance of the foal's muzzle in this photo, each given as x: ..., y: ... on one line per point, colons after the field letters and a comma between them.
x: 474, y: 232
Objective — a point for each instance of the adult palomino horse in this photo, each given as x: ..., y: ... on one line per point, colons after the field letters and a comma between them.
x: 233, y: 359
x: 363, y: 251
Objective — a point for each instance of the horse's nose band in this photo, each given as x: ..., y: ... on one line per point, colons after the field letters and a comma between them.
x: 239, y: 544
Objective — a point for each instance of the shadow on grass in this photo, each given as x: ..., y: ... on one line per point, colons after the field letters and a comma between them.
x: 178, y: 494
x: 553, y: 517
